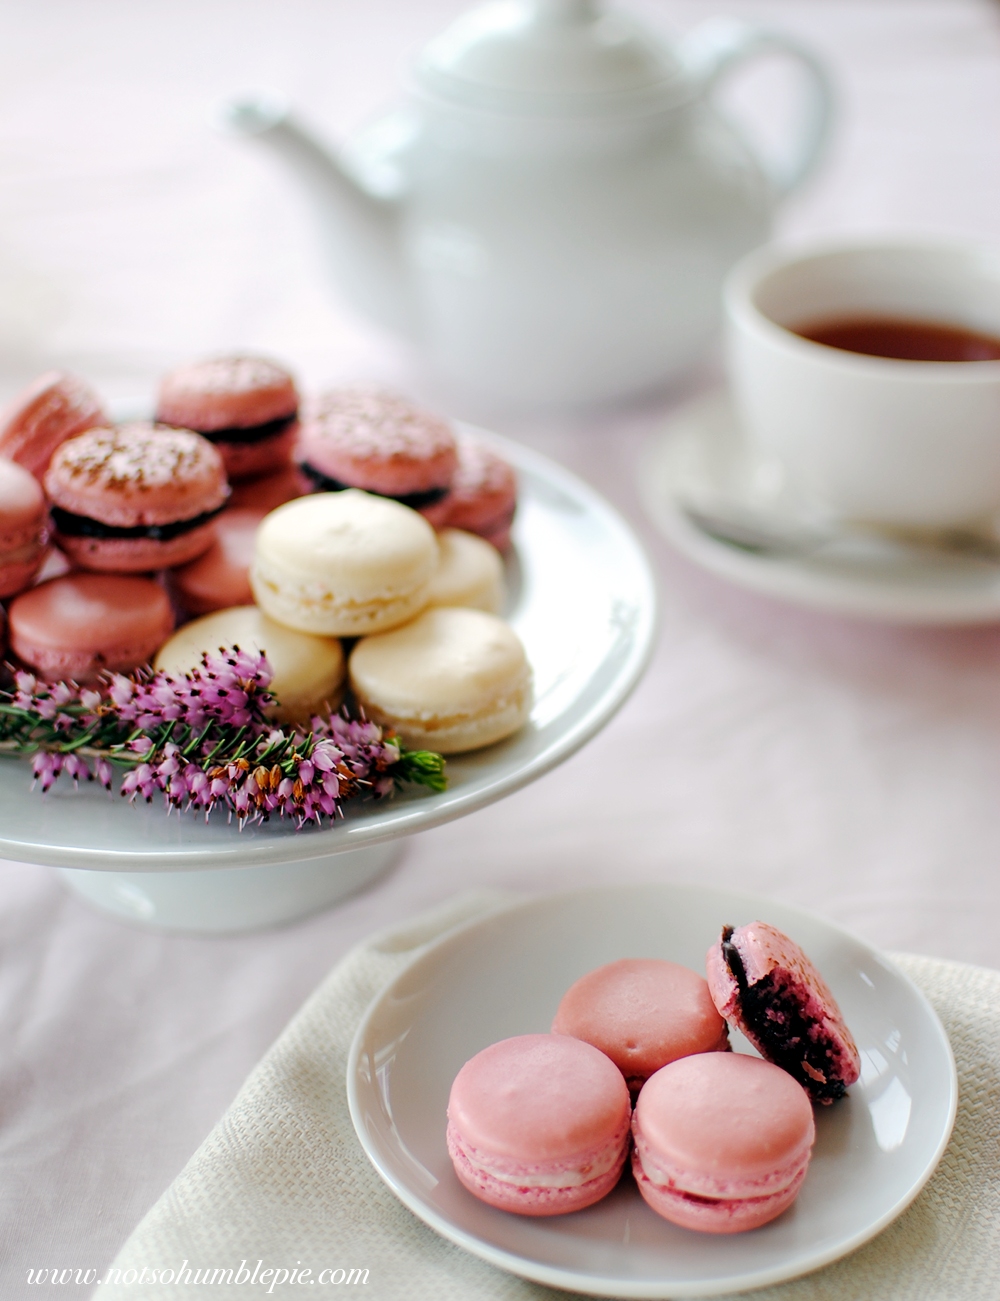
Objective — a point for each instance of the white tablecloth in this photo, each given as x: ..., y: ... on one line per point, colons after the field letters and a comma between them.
x: 849, y: 768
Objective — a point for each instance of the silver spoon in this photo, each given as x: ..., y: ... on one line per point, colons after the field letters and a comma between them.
x: 761, y: 534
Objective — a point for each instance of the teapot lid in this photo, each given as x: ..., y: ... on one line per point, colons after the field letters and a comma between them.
x: 549, y: 56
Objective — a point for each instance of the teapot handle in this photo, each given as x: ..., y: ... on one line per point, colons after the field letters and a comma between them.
x: 715, y: 48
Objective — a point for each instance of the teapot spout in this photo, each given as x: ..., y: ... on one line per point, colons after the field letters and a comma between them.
x: 364, y: 228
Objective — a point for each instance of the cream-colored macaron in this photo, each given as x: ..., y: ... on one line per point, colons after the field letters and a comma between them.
x: 451, y: 680
x: 470, y: 573
x: 309, y: 671
x: 343, y: 563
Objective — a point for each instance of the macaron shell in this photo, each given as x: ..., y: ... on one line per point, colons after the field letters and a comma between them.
x: 80, y: 624
x: 524, y: 1199
x: 643, y: 1013
x: 139, y: 474
x: 722, y: 1215
x: 723, y: 1125
x: 234, y: 392
x: 483, y: 493
x: 23, y: 533
x: 451, y: 680
x: 308, y: 671
x: 54, y: 407
x: 136, y: 555
x: 538, y: 1098
x: 268, y: 491
x: 343, y: 563
x: 370, y: 439
x: 244, y: 460
x: 219, y: 578
x: 470, y: 573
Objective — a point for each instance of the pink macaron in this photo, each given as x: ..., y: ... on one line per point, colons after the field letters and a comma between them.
x: 539, y: 1124
x: 137, y: 498
x: 266, y: 492
x: 54, y: 407
x: 81, y: 624
x: 381, y: 443
x: 764, y: 985
x: 642, y: 1013
x: 247, y: 406
x: 23, y: 521
x: 220, y: 578
x: 483, y: 494
x: 722, y: 1142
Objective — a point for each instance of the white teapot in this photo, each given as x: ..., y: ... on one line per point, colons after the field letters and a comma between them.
x: 550, y: 215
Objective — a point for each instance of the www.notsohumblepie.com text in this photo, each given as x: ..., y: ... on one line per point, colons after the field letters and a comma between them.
x: 256, y: 1275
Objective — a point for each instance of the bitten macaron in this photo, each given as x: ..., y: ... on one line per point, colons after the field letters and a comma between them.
x: 369, y: 439
x: 81, y: 624
x: 309, y: 671
x: 246, y: 406
x: 450, y: 680
x: 722, y: 1142
x: 643, y: 1013
x: 54, y: 407
x: 137, y: 498
x: 23, y: 535
x: 538, y: 1125
x: 343, y: 564
x: 764, y: 985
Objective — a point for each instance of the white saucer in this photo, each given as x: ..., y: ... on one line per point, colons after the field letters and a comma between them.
x: 504, y: 975
x: 701, y: 449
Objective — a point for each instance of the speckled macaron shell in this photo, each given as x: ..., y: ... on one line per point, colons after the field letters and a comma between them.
x: 643, y: 1013
x: 309, y: 671
x: 235, y: 393
x: 219, y: 578
x: 538, y: 1125
x: 343, y: 564
x: 23, y: 534
x: 470, y: 573
x: 722, y: 1141
x: 138, y: 476
x: 81, y: 624
x: 54, y: 407
x: 450, y: 680
x: 365, y: 438
x: 483, y: 494
x: 762, y: 981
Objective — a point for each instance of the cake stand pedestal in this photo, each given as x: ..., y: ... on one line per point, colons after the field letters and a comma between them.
x: 220, y: 901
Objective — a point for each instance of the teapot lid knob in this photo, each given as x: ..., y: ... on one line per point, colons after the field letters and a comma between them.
x: 541, y: 56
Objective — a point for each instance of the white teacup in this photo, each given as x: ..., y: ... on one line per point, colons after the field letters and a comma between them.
x: 911, y: 444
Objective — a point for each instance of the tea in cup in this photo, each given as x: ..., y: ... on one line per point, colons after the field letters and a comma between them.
x: 870, y: 373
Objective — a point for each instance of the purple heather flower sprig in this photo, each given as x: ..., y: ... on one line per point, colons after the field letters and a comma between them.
x: 205, y: 741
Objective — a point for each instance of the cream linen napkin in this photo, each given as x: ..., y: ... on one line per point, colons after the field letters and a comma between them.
x: 282, y: 1178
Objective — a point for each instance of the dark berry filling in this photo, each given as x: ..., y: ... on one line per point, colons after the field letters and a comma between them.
x: 250, y: 433
x: 772, y: 1013
x: 82, y: 526
x: 415, y: 500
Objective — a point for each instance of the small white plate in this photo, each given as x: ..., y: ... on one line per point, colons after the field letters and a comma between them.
x: 701, y: 448
x: 582, y: 599
x: 504, y: 975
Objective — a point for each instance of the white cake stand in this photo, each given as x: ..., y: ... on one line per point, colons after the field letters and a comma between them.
x: 582, y: 600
